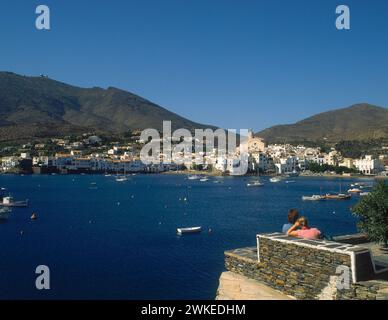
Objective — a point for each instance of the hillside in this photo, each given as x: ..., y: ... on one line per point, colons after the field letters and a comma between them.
x: 39, y: 106
x: 357, y: 122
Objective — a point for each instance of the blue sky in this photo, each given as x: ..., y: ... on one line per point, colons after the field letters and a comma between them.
x: 231, y: 63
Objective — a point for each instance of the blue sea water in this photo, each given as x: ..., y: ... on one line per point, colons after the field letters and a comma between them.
x: 112, y: 240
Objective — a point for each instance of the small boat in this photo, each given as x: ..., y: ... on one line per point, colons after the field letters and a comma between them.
x: 204, y: 179
x: 354, y: 190
x: 289, y: 181
x: 189, y: 230
x: 193, y: 177
x: 357, y: 184
x: 34, y: 216
x: 275, y: 179
x: 255, y: 183
x: 9, y: 202
x: 314, y: 197
x: 363, y: 194
x: 107, y: 175
x: 339, y: 196
x: 121, y: 179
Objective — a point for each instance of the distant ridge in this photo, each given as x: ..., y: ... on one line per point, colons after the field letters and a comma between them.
x: 357, y: 122
x: 39, y: 106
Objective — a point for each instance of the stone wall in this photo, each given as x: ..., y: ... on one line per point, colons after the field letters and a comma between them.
x: 302, y: 271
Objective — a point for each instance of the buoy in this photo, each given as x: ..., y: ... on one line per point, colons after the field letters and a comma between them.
x: 34, y: 216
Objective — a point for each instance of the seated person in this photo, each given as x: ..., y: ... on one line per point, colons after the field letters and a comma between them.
x: 293, y: 216
x: 304, y: 231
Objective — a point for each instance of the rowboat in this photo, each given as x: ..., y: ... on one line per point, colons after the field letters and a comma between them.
x: 181, y: 231
x: 314, y: 197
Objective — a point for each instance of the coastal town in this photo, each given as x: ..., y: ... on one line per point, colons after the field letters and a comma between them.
x: 90, y: 153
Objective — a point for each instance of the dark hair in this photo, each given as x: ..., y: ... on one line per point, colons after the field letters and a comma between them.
x: 303, y: 222
x: 293, y: 216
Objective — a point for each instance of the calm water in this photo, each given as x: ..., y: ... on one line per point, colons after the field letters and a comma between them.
x: 118, y: 240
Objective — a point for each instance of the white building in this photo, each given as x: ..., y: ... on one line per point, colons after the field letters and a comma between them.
x: 8, y: 163
x: 286, y: 165
x: 368, y: 165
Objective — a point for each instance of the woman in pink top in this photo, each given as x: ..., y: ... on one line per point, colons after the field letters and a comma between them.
x: 304, y: 231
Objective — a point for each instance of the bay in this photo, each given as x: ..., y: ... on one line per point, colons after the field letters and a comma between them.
x: 103, y: 239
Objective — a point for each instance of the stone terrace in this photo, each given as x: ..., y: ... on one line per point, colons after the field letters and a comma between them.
x: 306, y: 269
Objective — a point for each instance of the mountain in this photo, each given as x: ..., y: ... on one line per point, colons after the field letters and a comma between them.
x: 357, y: 122
x: 39, y: 106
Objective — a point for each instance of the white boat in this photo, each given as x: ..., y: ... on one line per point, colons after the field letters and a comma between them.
x: 314, y: 197
x: 204, y: 179
x: 363, y: 194
x: 9, y: 202
x: 255, y: 183
x: 121, y: 179
x: 354, y: 190
x: 275, y: 179
x: 357, y: 184
x: 193, y: 177
x: 189, y: 230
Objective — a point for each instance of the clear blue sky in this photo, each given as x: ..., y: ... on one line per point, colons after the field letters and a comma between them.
x: 231, y: 63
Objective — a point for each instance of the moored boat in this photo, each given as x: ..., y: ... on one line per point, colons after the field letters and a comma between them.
x: 10, y: 202
x: 354, y: 190
x: 255, y: 183
x: 338, y: 196
x: 121, y: 179
x: 193, y: 177
x: 275, y: 179
x: 181, y: 231
x: 314, y: 197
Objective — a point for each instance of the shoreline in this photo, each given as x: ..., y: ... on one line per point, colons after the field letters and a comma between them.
x: 203, y: 173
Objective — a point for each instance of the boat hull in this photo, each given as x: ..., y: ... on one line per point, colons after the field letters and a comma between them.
x: 181, y: 231
x: 19, y: 204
